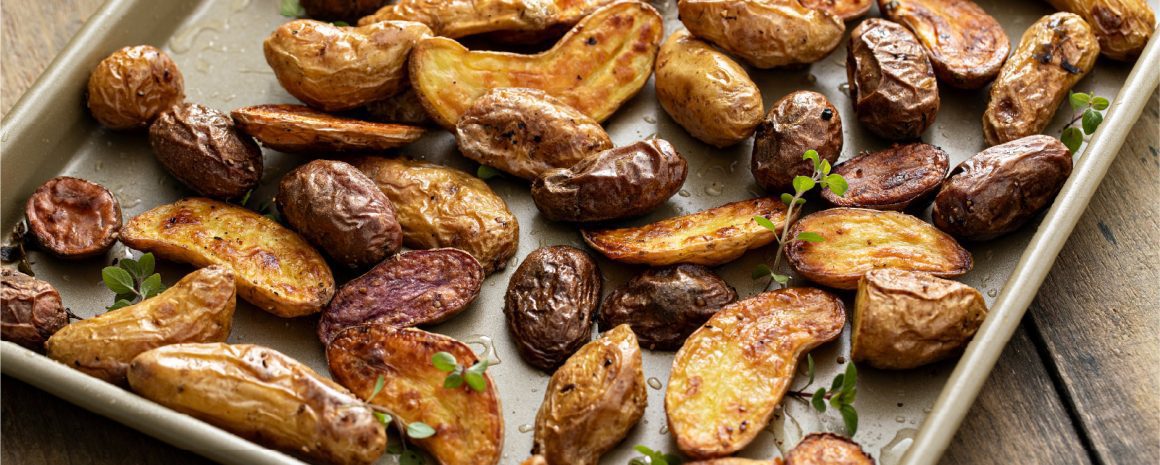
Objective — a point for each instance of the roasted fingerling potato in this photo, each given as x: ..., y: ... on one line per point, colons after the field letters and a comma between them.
x: 891, y: 80
x: 1123, y: 27
x: 73, y: 218
x: 827, y: 449
x: 203, y: 148
x: 297, y: 128
x: 30, y: 310
x: 550, y: 302
x: 891, y: 179
x: 663, y: 306
x: 966, y: 46
x: 130, y: 87
x: 803, y: 120
x: 764, y: 33
x: 845, y: 9
x: 460, y: 18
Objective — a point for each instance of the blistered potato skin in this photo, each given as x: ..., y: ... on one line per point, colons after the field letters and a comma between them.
x: 73, y: 218
x: 468, y: 424
x: 1054, y: 54
x: 597, y: 66
x: 891, y: 80
x: 801, y: 121
x: 891, y: 179
x: 30, y: 310
x: 549, y: 304
x: 998, y: 190
x: 331, y: 10
x: 261, y: 395
x: 129, y: 88
x: 202, y: 148
x: 592, y: 401
x: 297, y: 128
x: 1122, y: 26
x: 444, y: 207
x: 965, y: 45
x: 706, y: 92
x: 764, y: 33
x: 460, y: 18
x: 731, y: 374
x: 526, y: 132
x: 275, y: 269
x: 827, y: 449
x: 663, y: 306
x: 857, y: 240
x: 845, y: 9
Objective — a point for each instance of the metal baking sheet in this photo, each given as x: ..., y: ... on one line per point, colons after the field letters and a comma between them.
x: 217, y: 45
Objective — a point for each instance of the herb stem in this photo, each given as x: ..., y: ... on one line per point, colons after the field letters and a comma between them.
x: 782, y: 238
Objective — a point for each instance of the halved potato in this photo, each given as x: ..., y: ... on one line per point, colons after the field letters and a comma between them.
x: 731, y: 374
x: 297, y: 128
x: 597, y: 66
x: 461, y: 18
x: 710, y: 237
x: 275, y: 269
x: 845, y: 9
x: 827, y: 449
x: 858, y: 240
x: 965, y: 45
x: 764, y: 33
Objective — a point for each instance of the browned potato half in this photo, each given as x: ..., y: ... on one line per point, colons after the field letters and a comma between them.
x: 203, y: 148
x: 711, y: 237
x: 845, y: 9
x: 401, y: 108
x: 444, y: 207
x: 891, y: 80
x: 891, y: 179
x: 335, y: 68
x: 297, y: 128
x: 827, y: 449
x: 906, y: 319
x: 30, y: 310
x: 1054, y: 54
x: 549, y: 304
x: 264, y: 396
x: 764, y: 33
x: 801, y: 121
x: 592, y: 401
x: 1122, y: 26
x: 275, y: 268
x: 965, y: 45
x: 129, y: 88
x: 731, y: 374
x: 706, y: 92
x: 468, y: 424
x: 665, y: 305
x: 73, y: 218
x: 331, y: 10
x: 857, y: 240
x: 596, y: 67
x: 526, y: 132
x: 461, y: 18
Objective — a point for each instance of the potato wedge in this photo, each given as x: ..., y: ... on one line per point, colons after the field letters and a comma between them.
x: 827, y: 449
x: 596, y: 67
x: 966, y: 45
x: 892, y: 178
x: 858, y: 240
x: 460, y: 18
x: 297, y: 128
x: 731, y: 374
x: 764, y: 33
x: 275, y: 269
x: 1122, y: 26
x: 845, y: 9
x: 468, y: 424
x: 711, y: 237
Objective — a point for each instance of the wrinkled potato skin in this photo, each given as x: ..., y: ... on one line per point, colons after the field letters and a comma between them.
x: 330, y: 10
x: 711, y: 237
x: 297, y: 128
x: 891, y: 179
x: 755, y: 344
x: 857, y: 240
x: 334, y: 68
x: 891, y: 80
x: 550, y: 302
x: 706, y: 92
x: 30, y: 310
x: 592, y: 401
x: 204, y: 149
x: 443, y: 207
x: 617, y: 183
x: 827, y: 449
x: 264, y: 396
x: 199, y: 308
x: 468, y: 424
x: 73, y: 218
x: 905, y: 319
x: 764, y: 33
x: 965, y: 45
x: 401, y: 108
x: 526, y: 132
x: 1122, y: 26
x: 460, y: 18
x: 845, y: 9
x: 665, y: 305
x: 275, y: 269
x: 801, y: 121
x: 1000, y: 189
x: 129, y: 88
x: 1054, y: 54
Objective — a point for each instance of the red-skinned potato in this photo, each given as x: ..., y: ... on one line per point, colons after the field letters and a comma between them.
x: 965, y: 45
x: 827, y: 449
x: 801, y: 121
x: 30, y: 310
x: 72, y: 218
x: 891, y: 80
x: 891, y: 179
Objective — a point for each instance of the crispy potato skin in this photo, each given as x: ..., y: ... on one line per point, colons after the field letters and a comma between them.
x: 468, y: 424
x: 262, y: 395
x: 827, y: 449
x: 891, y: 179
x: 334, y: 68
x: 401, y: 108
x: 199, y: 308
x: 592, y: 401
x: 30, y: 310
x: 129, y: 88
x: 711, y: 237
x: 598, y: 65
x: 297, y: 128
x: 1122, y: 26
x: 550, y: 302
x: 1054, y: 54
x: 733, y: 371
x: 706, y: 92
x: 73, y: 218
x: 891, y: 80
x: 801, y: 121
x: 845, y: 9
x: 203, y: 149
x: 526, y: 132
x: 998, y: 190
x: 443, y: 207
x: 764, y: 33
x: 665, y: 305
x: 460, y: 18
x: 965, y: 45
x: 906, y: 319
x: 275, y: 269
x: 858, y: 240
x: 331, y: 10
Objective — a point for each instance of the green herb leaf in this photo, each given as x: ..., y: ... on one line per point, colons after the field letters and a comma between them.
x: 1072, y: 138
x: 146, y: 264
x: 836, y: 400
x: 825, y: 167
x: 246, y: 198
x: 486, y: 172
x: 453, y: 381
x: 837, y: 384
x: 803, y: 184
x: 341, y: 23
x: 786, y: 199
x: 291, y: 8
x: 444, y: 361
x: 810, y: 236
x: 765, y: 223
x: 384, y: 418
x: 780, y: 278
x: 151, y: 286
x: 474, y: 376
x: 410, y: 457
x: 132, y: 266
x: 761, y: 271
x: 379, y: 382
x: 1091, y: 121
x: 1078, y: 100
x: 819, y: 400
x: 117, y: 280
x: 120, y: 303
x: 811, y: 155
x: 419, y: 430
x: 837, y: 184
x: 655, y: 457
x: 850, y: 418
x: 810, y: 368
x: 1100, y: 103
x: 850, y: 380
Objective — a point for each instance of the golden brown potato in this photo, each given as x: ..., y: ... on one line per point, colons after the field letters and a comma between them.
x: 731, y: 374
x: 535, y: 460
x: 129, y: 88
x: 335, y: 68
x: 448, y: 77
x: 592, y: 401
x: 264, y: 396
x: 711, y: 237
x: 444, y: 207
x: 275, y: 269
x: 1122, y: 26
x: 30, y: 310
x: 764, y: 33
x: 461, y: 18
x: 800, y: 121
x: 73, y: 218
x: 845, y: 9
x: 331, y: 10
x: 297, y: 128
x: 468, y: 424
x: 827, y: 449
x: 892, y: 178
x: 965, y: 45
x: 706, y: 92
x: 891, y: 80
x: 1054, y: 54
x: 857, y: 240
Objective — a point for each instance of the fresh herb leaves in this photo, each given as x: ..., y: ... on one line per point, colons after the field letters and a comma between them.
x: 840, y: 396
x: 457, y: 375
x: 1088, y: 109
x: 652, y: 457
x: 132, y: 281
x: 486, y: 172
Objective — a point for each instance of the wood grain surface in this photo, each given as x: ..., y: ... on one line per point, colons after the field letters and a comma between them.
x: 1076, y: 384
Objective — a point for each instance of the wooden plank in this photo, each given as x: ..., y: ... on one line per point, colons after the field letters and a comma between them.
x: 33, y: 33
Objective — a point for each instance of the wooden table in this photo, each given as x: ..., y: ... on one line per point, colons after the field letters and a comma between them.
x: 1076, y: 385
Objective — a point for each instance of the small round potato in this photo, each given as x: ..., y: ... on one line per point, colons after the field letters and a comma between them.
x: 827, y: 449
x: 30, y: 310
x: 891, y: 179
x: 549, y: 304
x: 765, y: 34
x: 665, y: 305
x: 891, y: 80
x: 129, y: 88
x: 203, y: 149
x: 73, y: 218
x: 801, y: 121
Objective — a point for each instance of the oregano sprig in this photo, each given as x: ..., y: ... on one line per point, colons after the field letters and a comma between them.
x: 485, y: 172
x: 457, y: 374
x: 1088, y: 110
x: 413, y: 430
x: 840, y: 396
x: 653, y: 457
x: 132, y: 281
